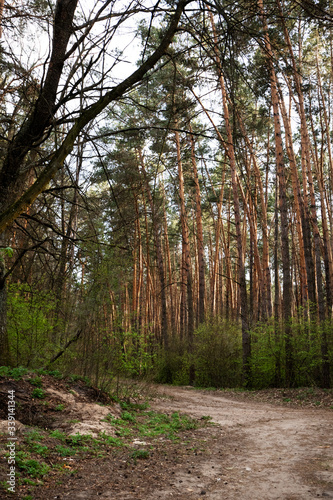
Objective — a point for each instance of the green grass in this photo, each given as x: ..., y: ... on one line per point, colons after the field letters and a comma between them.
x: 53, y: 373
x: 56, y: 434
x: 75, y: 378
x: 123, y: 431
x: 125, y: 405
x: 28, y: 481
x: 160, y: 424
x: 31, y: 466
x: 127, y: 416
x: 150, y: 423
x: 78, y: 439
x: 110, y: 440
x: 34, y: 435
x: 40, y: 449
x: 140, y: 454
x: 65, y: 451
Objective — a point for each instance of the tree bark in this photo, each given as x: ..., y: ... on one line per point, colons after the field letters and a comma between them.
x: 280, y: 167
x: 200, y: 244
x: 159, y: 255
x: 246, y: 340
x: 187, y: 289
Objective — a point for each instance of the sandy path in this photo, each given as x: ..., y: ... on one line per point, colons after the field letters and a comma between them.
x: 261, y: 452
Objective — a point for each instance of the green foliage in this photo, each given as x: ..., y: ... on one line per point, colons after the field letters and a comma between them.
x: 36, y: 381
x: 173, y: 366
x: 306, y: 346
x: 30, y: 323
x: 26, y: 480
x: 16, y: 373
x: 38, y: 393
x: 34, y: 435
x: 31, y: 466
x: 127, y: 405
x: 59, y: 407
x: 133, y: 354
x: 111, y: 440
x: 6, y: 252
x: 122, y: 431
x: 268, y: 353
x: 65, y: 451
x: 140, y: 454
x: 56, y: 434
x: 161, y: 424
x: 78, y: 439
x: 217, y: 354
x: 75, y: 378
x: 32, y: 440
x: 128, y: 416
x: 215, y: 358
x: 40, y: 449
x: 53, y: 373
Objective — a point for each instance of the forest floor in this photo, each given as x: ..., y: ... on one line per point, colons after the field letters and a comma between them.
x: 258, y: 445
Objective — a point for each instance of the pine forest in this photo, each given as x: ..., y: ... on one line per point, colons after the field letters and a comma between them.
x: 166, y: 190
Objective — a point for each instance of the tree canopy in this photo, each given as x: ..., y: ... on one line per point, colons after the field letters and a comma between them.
x: 166, y: 189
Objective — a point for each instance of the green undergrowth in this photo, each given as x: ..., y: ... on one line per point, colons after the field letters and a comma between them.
x: 43, y: 454
x: 34, y: 376
x: 150, y: 424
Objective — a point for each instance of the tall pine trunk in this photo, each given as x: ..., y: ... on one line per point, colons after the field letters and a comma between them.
x: 280, y: 168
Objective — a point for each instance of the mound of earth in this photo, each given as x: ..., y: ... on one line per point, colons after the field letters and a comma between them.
x: 73, y: 407
x: 277, y: 448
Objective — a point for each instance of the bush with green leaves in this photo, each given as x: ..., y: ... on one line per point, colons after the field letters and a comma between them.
x: 215, y: 358
x: 38, y: 393
x: 36, y: 381
x: 30, y: 323
x: 31, y: 466
x: 268, y: 358
x: 173, y: 365
x: 218, y: 354
x: 16, y: 373
x: 307, y: 341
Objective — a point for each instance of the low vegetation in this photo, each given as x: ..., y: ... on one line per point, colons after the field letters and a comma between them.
x: 45, y: 453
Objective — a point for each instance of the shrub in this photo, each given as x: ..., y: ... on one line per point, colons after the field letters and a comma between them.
x: 218, y: 354
x: 38, y: 393
x: 29, y: 324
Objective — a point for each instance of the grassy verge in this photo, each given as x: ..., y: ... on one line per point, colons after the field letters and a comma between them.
x: 44, y: 455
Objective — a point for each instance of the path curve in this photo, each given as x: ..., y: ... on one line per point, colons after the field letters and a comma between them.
x: 262, y: 451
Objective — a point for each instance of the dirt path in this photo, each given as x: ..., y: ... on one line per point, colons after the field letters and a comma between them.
x: 260, y: 451
x: 254, y: 451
